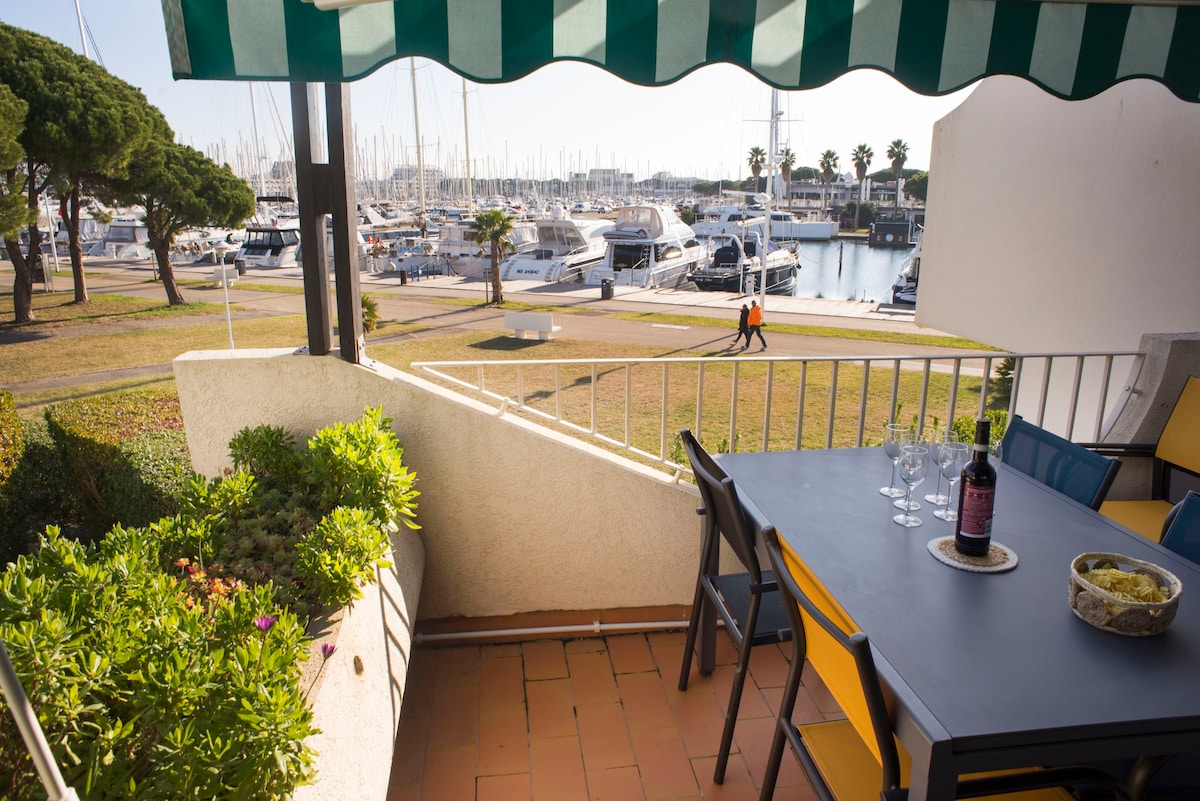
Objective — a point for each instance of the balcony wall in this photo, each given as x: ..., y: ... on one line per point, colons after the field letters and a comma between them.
x: 515, y: 518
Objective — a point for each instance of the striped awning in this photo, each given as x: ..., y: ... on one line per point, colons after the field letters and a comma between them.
x: 1071, y: 49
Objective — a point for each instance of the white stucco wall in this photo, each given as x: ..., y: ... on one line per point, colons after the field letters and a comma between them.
x: 1063, y: 226
x: 515, y: 518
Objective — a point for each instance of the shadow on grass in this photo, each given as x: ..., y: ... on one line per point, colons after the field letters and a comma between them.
x: 507, y: 344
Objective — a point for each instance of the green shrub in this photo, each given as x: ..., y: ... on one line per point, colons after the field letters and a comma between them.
x: 125, y: 454
x: 36, y: 495
x: 150, y: 686
x: 12, y: 444
x: 964, y: 426
x: 164, y: 661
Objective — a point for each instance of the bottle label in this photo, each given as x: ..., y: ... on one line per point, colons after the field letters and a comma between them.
x: 976, y: 517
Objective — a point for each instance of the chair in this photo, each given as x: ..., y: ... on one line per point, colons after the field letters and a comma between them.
x: 1176, y: 463
x: 1181, y: 529
x: 1060, y: 464
x: 859, y: 757
x: 748, y: 601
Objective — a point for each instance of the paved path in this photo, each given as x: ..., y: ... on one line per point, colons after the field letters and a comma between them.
x: 585, y: 316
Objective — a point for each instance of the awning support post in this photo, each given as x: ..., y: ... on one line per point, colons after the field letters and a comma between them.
x: 325, y: 185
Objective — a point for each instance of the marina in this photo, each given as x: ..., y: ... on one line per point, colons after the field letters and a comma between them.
x: 848, y: 270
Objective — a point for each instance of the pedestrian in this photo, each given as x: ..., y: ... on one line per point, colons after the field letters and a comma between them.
x: 755, y: 322
x: 743, y: 326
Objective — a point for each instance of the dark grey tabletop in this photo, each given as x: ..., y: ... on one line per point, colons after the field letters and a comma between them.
x: 990, y: 669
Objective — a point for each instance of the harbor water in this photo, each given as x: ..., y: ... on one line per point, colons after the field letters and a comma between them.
x: 848, y: 270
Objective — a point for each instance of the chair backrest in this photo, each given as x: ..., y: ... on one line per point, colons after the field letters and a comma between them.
x: 841, y: 655
x: 1058, y: 463
x: 722, y: 504
x: 1181, y: 530
x: 1180, y: 440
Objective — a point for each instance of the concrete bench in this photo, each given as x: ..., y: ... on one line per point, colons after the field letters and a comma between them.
x: 224, y: 273
x: 540, y: 323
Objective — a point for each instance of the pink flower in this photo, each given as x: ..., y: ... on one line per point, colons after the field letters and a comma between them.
x: 265, y: 622
x: 327, y: 650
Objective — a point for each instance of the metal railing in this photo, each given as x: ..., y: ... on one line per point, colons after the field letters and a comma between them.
x: 637, y: 406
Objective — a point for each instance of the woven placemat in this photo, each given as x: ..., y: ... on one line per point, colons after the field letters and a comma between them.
x: 999, y: 557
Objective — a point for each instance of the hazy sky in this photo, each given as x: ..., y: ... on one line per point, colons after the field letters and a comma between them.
x: 565, y: 117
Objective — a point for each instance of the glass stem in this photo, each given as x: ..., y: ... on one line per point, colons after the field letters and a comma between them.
x: 907, y: 501
x: 893, y: 484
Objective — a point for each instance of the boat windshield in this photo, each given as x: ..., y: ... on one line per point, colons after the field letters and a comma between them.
x: 274, y: 238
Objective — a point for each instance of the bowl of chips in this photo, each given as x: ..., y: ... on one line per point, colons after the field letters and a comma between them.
x: 1122, y: 594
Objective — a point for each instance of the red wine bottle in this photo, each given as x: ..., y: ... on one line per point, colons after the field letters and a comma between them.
x: 973, y: 532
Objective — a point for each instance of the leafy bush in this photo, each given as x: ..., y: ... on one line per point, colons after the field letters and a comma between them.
x: 370, y: 314
x: 145, y: 689
x: 164, y: 661
x: 315, y: 522
x: 964, y: 426
x: 125, y: 453
x: 12, y: 445
x: 36, y: 494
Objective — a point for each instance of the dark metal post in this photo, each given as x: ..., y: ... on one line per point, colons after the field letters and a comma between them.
x: 312, y: 222
x: 344, y: 207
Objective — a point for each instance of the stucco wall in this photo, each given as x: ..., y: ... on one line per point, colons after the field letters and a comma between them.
x: 515, y: 518
x: 1062, y: 226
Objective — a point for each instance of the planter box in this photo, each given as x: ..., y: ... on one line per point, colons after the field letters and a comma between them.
x: 356, y: 698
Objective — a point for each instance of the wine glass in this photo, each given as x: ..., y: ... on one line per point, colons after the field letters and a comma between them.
x: 954, y: 457
x: 907, y: 503
x: 893, y: 438
x: 914, y: 459
x: 937, y: 497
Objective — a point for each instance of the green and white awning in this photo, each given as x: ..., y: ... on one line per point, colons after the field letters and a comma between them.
x: 1071, y: 49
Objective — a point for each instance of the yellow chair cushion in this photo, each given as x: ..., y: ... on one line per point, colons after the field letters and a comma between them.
x: 852, y: 773
x: 1180, y: 440
x: 1144, y: 517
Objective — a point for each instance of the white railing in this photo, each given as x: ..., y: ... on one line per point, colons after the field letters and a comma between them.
x: 638, y: 405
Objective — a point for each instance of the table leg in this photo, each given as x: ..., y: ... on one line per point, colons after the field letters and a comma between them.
x: 933, y: 777
x: 1142, y: 773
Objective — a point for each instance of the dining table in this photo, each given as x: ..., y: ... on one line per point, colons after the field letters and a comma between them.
x: 988, y: 671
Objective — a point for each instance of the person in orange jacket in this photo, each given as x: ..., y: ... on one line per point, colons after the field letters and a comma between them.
x: 755, y: 321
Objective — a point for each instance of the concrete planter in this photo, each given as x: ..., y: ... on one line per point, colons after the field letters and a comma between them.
x: 356, y: 697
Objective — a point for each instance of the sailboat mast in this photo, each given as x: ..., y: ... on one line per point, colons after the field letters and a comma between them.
x: 82, y: 37
x: 772, y: 188
x: 467, y: 141
x: 417, y: 128
x: 258, y: 159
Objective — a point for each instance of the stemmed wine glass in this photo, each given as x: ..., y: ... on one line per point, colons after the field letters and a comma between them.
x: 937, y: 497
x: 893, y: 438
x: 914, y: 459
x: 907, y: 503
x: 954, y: 457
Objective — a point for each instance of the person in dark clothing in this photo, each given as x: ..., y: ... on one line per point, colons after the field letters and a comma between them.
x: 743, y: 326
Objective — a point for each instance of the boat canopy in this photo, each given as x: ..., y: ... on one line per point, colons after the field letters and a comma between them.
x: 1070, y: 48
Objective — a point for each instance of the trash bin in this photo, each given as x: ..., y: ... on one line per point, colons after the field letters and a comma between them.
x: 606, y: 289
x: 403, y: 277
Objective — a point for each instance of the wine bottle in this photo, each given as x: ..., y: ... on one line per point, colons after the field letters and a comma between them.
x: 973, y: 532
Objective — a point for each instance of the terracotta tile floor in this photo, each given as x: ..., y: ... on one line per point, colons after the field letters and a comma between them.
x: 594, y: 719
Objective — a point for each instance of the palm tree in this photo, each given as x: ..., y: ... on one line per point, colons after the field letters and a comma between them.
x: 758, y: 157
x: 787, y: 160
x: 493, y: 227
x: 861, y: 157
x: 828, y: 165
x: 898, y: 153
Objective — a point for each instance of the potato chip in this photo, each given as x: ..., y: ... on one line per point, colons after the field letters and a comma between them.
x: 1136, y: 587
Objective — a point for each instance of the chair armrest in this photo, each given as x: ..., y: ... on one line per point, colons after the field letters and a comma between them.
x: 1127, y: 449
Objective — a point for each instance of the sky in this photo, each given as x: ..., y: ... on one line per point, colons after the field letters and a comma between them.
x: 566, y: 117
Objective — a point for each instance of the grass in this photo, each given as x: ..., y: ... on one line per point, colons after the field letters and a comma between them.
x: 768, y: 396
x: 59, y: 309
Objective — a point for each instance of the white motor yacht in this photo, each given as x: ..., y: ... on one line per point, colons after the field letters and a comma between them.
x: 787, y: 226
x: 738, y: 266
x: 567, y: 247
x: 648, y: 246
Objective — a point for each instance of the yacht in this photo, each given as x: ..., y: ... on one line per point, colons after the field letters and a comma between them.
x: 567, y: 247
x: 904, y: 290
x: 730, y: 219
x: 787, y: 226
x: 737, y: 266
x: 648, y: 246
x: 457, y: 246
x: 269, y: 246
x: 125, y: 239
